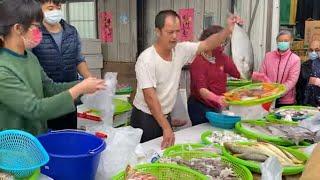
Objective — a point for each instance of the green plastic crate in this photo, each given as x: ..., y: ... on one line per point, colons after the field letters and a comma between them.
x: 166, y: 171
x: 241, y: 172
x: 255, y: 166
x: 260, y: 136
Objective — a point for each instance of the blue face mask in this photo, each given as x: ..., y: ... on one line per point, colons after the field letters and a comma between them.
x: 313, y: 55
x: 283, y: 46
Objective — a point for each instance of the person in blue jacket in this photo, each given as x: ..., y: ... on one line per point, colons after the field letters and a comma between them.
x: 59, y: 54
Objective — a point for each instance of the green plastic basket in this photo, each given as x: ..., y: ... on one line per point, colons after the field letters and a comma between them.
x: 273, y: 116
x: 257, y: 101
x: 260, y: 136
x: 241, y: 172
x: 238, y: 83
x: 255, y: 166
x: 121, y: 106
x: 166, y: 171
x: 182, y: 147
x: 123, y: 91
x: 204, y: 137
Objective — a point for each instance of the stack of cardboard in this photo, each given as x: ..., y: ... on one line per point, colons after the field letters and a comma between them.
x: 91, y: 49
x: 299, y: 48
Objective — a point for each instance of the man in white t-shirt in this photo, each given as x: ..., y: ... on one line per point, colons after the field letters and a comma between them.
x: 158, y: 70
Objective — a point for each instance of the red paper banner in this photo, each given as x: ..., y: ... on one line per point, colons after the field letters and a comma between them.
x: 187, y: 20
x: 105, y: 24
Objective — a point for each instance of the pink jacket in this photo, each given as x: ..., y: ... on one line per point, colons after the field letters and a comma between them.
x: 286, y: 67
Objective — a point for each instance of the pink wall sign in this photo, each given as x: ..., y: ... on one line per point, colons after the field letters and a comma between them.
x: 105, y: 24
x: 187, y: 19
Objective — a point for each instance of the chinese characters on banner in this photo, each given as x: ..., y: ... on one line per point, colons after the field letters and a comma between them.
x: 187, y: 19
x: 105, y: 24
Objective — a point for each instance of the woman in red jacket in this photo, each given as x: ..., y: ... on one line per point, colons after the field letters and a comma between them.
x: 209, y: 80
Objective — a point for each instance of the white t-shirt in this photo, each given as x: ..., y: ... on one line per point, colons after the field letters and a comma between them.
x: 164, y: 76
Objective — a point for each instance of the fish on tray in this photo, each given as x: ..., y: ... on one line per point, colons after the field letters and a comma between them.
x: 212, y: 167
x: 132, y: 174
x: 261, y: 151
x: 290, y: 132
x: 264, y: 90
x: 298, y: 114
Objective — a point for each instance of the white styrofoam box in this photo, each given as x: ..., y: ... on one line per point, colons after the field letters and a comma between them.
x: 94, y: 61
x: 252, y: 112
x: 96, y: 73
x: 91, y: 46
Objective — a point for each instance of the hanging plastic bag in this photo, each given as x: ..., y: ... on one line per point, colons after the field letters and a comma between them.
x: 271, y: 169
x: 120, y: 151
x: 102, y: 100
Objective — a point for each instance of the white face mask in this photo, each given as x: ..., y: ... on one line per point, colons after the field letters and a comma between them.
x: 53, y: 17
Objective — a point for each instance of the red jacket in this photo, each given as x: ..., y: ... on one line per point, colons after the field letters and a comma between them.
x: 212, y: 76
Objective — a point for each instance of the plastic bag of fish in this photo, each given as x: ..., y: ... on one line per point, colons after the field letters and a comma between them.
x: 295, y: 114
x: 132, y: 174
x: 214, y: 168
x: 294, y: 133
x: 219, y: 137
x: 261, y: 151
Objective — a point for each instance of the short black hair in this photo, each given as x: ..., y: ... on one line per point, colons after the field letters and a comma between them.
x: 161, y: 17
x: 56, y: 2
x: 214, y: 29
x: 23, y: 12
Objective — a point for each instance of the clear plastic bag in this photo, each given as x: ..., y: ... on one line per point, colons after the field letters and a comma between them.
x: 312, y: 123
x: 120, y: 151
x: 102, y: 100
x: 271, y: 169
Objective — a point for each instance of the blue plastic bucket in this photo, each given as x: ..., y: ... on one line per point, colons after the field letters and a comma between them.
x: 73, y: 154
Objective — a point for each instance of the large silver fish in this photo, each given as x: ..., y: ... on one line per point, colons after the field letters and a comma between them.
x: 242, y: 52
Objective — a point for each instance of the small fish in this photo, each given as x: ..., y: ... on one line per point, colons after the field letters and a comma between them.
x: 132, y: 174
x: 257, y: 128
x: 252, y: 156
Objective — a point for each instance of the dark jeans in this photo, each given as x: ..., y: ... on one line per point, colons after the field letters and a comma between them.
x: 197, y: 111
x: 68, y: 121
x: 147, y: 123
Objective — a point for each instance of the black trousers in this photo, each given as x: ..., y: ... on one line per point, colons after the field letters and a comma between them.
x: 68, y: 121
x: 147, y: 123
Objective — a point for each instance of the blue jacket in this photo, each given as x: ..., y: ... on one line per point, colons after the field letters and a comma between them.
x: 60, y: 66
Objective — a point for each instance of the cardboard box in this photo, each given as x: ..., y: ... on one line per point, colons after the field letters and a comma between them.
x: 94, y: 61
x: 297, y: 45
x: 91, y: 46
x: 96, y: 72
x: 312, y: 31
x: 312, y: 168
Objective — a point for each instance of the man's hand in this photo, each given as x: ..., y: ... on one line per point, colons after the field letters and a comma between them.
x: 168, y: 138
x: 232, y: 20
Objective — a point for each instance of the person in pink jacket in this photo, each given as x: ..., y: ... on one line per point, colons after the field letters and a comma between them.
x: 281, y: 66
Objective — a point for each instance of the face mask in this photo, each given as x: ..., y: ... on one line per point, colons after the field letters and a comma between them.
x: 53, y: 17
x: 283, y: 46
x: 313, y: 55
x: 34, y: 39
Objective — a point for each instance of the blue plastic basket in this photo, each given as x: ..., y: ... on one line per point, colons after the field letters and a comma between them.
x: 73, y: 154
x: 21, y: 154
x: 221, y: 120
